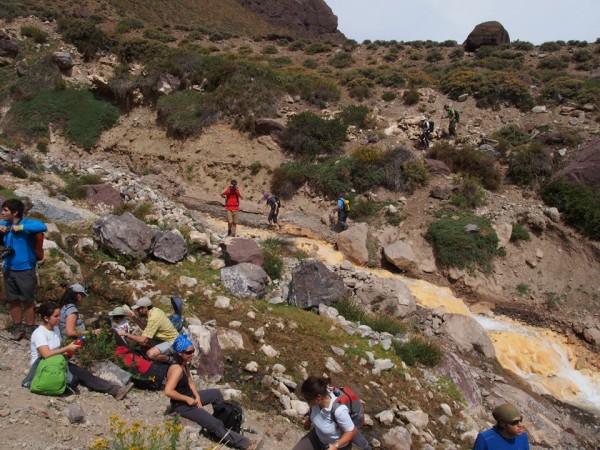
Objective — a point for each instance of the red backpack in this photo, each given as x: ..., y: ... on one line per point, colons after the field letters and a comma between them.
x: 346, y: 396
x: 144, y: 374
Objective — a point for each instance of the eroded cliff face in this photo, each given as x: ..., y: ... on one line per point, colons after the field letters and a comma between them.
x: 305, y: 18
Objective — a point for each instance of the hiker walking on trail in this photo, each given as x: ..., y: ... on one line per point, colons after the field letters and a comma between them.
x: 333, y: 427
x: 342, y: 207
x: 45, y: 343
x: 232, y: 196
x: 273, y: 203
x: 159, y: 334
x: 453, y: 117
x: 19, y: 261
x: 507, y: 434
x: 426, y: 128
x: 187, y: 401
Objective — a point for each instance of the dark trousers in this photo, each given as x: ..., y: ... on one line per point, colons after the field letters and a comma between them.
x: 310, y: 441
x: 91, y: 381
x: 210, y: 423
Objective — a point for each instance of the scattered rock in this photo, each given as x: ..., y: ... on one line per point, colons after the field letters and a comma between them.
x: 245, y: 280
x: 63, y: 60
x: 398, y: 438
x: 352, y: 243
x: 124, y: 235
x: 75, y: 414
x: 401, y: 255
x: 313, y: 283
x: 170, y: 246
x: 241, y: 250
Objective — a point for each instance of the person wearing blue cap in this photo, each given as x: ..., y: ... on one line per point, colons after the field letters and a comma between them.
x: 187, y: 401
x: 507, y: 434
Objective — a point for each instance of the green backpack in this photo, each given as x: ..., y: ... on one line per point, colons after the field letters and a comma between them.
x: 50, y: 376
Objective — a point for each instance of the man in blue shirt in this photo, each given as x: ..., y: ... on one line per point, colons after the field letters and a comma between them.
x: 19, y: 263
x: 342, y: 212
x: 507, y: 434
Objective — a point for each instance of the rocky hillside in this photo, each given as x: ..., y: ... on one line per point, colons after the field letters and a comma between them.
x: 105, y: 114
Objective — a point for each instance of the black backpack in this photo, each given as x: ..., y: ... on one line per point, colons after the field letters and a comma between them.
x: 231, y: 414
x: 431, y: 125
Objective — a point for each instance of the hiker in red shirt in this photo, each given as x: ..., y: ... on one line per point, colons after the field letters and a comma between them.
x: 232, y: 196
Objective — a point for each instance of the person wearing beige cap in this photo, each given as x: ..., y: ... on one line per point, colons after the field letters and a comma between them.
x: 118, y: 320
x: 159, y: 334
x: 507, y: 434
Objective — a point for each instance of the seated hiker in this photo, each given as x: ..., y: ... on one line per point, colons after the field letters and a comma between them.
x: 118, y: 319
x: 187, y: 401
x: 333, y: 429
x: 71, y: 321
x: 45, y: 342
x: 159, y: 334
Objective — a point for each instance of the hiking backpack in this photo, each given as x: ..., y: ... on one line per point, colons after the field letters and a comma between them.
x: 456, y: 115
x: 177, y: 317
x: 144, y: 374
x: 50, y: 376
x: 231, y: 414
x: 430, y: 127
x: 346, y: 205
x: 346, y: 396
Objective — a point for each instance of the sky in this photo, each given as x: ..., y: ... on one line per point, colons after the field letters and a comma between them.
x: 535, y: 21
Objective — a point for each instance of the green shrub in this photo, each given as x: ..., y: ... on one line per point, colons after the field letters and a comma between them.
x: 38, y: 35
x: 553, y: 63
x: 360, y: 88
x: 100, y: 348
x: 76, y: 185
x: 296, y: 45
x: 529, y: 164
x: 434, y: 55
x: 511, y: 136
x: 269, y: 50
x: 388, y: 96
x: 578, y: 204
x: 271, y: 249
x: 498, y: 87
x: 287, y: 179
x: 186, y: 114
x: 355, y: 115
x: 341, y: 60
x: 310, y: 63
x: 159, y: 35
x: 522, y: 289
x: 416, y: 175
x: 551, y: 46
x: 84, y: 34
x: 457, y: 53
x: 281, y: 61
x: 554, y: 299
x: 470, y: 161
x: 394, y: 177
x: 82, y: 117
x: 570, y: 88
x: 391, y: 56
x: 381, y: 323
x: 519, y: 233
x: 456, y: 247
x: 582, y: 56
x: 460, y: 81
x: 317, y: 47
x: 411, y: 97
x: 522, y: 45
x: 16, y: 171
x: 308, y: 135
x: 469, y: 194
x: 130, y: 24
x: 418, y: 351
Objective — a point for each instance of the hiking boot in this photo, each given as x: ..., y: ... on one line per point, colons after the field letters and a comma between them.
x: 18, y: 332
x: 29, y: 329
x: 123, y: 391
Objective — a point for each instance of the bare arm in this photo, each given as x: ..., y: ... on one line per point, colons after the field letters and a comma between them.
x: 193, y: 387
x: 173, y: 375
x: 45, y: 351
x: 71, y: 326
x: 142, y: 340
x: 344, y: 440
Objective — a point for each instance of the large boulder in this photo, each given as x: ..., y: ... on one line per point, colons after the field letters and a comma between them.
x: 245, y: 280
x: 208, y: 359
x: 63, y: 60
x: 487, y: 33
x: 386, y: 295
x: 437, y: 167
x: 585, y: 167
x: 401, y: 255
x: 398, y: 438
x: 241, y: 250
x: 170, y: 246
x: 352, y: 243
x: 468, y: 334
x: 307, y: 18
x: 8, y: 47
x: 124, y: 235
x: 453, y: 367
x: 313, y: 283
x: 104, y: 195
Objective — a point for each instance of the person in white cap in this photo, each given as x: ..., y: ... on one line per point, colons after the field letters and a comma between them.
x: 71, y: 321
x: 159, y: 334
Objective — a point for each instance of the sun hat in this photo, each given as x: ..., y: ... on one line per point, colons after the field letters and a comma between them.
x: 118, y: 311
x: 142, y: 302
x: 506, y: 412
x: 78, y: 289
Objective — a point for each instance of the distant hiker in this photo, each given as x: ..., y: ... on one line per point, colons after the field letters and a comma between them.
x: 45, y: 342
x: 71, y: 321
x: 274, y: 203
x: 453, y: 117
x: 19, y: 261
x: 507, y: 434
x: 333, y: 427
x: 159, y: 334
x: 342, y: 207
x: 232, y: 196
x: 427, y: 127
x: 187, y: 401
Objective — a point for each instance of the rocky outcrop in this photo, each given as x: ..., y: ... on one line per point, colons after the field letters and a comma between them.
x: 9, y: 48
x: 401, y: 255
x: 241, y: 250
x: 313, y: 284
x: 305, y: 18
x: 486, y: 33
x: 124, y: 235
x: 352, y: 243
x: 468, y: 334
x: 245, y: 280
x: 585, y: 168
x: 208, y: 360
x: 104, y: 194
x: 170, y: 246
x: 63, y: 60
x: 461, y: 375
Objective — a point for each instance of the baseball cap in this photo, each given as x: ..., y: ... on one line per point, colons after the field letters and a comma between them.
x: 79, y: 289
x: 234, y: 182
x: 118, y: 311
x: 506, y: 413
x: 142, y: 302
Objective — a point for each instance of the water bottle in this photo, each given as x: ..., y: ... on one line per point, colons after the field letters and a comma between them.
x: 79, y: 342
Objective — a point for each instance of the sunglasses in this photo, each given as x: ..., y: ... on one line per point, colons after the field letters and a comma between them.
x: 515, y: 422
x: 190, y: 352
